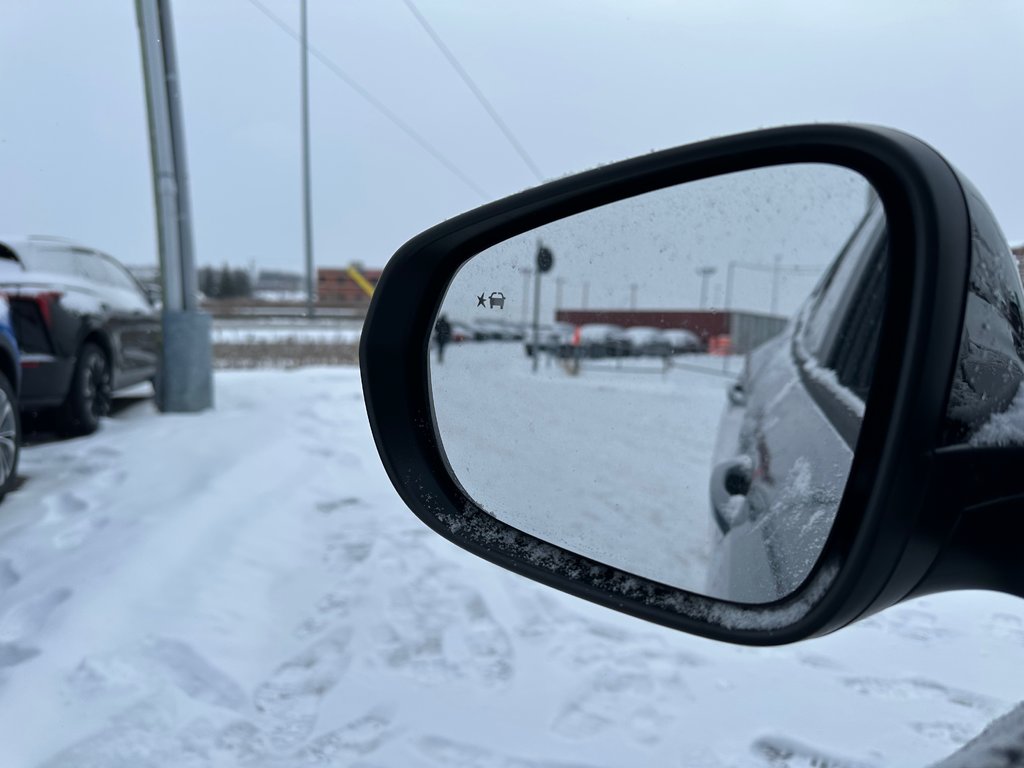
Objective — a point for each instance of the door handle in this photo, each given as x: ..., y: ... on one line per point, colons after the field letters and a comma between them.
x: 730, y: 478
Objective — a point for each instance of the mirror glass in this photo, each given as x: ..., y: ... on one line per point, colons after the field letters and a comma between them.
x: 672, y: 384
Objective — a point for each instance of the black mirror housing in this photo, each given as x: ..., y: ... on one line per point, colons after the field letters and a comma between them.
x: 899, y: 530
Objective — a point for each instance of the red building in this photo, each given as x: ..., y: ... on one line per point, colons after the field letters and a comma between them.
x: 703, y: 323
x: 336, y: 286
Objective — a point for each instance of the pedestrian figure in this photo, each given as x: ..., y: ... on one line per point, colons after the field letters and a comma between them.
x: 442, y: 335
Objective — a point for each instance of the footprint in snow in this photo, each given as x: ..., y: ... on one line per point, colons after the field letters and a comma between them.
x: 150, y: 665
x: 70, y: 504
x: 8, y: 576
x: 782, y: 752
x: 290, y: 700
x: 20, y: 624
x: 950, y: 734
x: 446, y: 752
x: 1008, y: 626
x: 75, y: 534
x: 355, y: 739
x: 334, y: 505
x: 918, y: 688
x: 442, y: 630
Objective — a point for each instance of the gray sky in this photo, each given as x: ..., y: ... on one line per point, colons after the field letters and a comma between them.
x: 804, y: 214
x: 580, y: 83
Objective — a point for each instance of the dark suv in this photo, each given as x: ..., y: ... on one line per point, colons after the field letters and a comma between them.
x: 84, y: 325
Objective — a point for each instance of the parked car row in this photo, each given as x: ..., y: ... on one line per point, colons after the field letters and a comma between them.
x: 600, y: 340
x: 75, y: 327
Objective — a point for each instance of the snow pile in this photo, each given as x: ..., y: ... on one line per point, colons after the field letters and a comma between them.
x: 244, y: 588
x: 1005, y: 428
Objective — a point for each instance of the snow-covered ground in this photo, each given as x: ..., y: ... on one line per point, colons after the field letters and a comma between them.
x: 244, y: 588
x: 613, y: 462
x: 285, y: 331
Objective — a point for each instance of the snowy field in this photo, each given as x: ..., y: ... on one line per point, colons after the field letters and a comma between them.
x: 244, y: 588
x: 613, y: 462
x: 286, y: 331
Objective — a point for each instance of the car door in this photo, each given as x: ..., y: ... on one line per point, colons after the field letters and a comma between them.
x: 798, y: 423
x: 138, y: 320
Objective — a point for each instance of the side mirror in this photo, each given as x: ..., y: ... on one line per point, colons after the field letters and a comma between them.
x: 849, y: 437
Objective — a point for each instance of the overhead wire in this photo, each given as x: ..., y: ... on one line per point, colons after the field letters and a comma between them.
x: 476, y: 91
x: 373, y: 101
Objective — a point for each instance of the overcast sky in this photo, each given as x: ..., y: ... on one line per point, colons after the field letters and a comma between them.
x: 803, y: 214
x: 580, y: 83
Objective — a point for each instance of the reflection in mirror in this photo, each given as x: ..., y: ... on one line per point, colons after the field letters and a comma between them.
x: 672, y: 384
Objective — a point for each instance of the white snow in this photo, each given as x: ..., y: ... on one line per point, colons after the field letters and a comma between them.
x: 613, y: 463
x: 1005, y: 428
x: 244, y: 588
x: 285, y: 331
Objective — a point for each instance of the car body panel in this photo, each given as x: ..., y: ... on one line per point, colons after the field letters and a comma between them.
x: 64, y: 294
x: 791, y: 421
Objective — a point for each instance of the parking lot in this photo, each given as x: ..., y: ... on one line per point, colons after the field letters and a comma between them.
x: 243, y: 587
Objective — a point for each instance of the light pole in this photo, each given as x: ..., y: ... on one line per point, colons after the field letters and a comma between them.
x: 728, y: 284
x: 307, y: 220
x: 705, y: 275
x: 525, y: 272
x: 185, y: 378
x: 545, y: 260
x: 775, y: 282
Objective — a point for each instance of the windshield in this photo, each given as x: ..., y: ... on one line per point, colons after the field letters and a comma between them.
x: 202, y: 560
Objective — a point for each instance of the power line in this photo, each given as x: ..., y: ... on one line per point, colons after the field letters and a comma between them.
x: 372, y: 100
x: 502, y: 126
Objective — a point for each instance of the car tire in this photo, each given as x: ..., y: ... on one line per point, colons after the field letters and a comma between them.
x: 10, y: 436
x: 90, y: 395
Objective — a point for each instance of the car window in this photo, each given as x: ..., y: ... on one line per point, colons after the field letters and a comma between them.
x: 58, y: 261
x: 91, y: 267
x: 829, y: 308
x: 852, y: 356
x: 117, y: 275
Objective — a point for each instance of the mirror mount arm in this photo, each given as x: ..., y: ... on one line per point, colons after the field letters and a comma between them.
x: 980, y: 509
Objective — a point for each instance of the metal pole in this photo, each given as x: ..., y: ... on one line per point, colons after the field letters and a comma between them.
x: 728, y: 285
x: 775, y: 283
x: 185, y: 377
x: 307, y: 222
x: 536, y: 319
x: 525, y: 272
x: 705, y: 274
x: 728, y: 307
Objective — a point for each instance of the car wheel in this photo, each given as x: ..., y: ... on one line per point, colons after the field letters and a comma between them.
x: 90, y: 395
x: 10, y: 436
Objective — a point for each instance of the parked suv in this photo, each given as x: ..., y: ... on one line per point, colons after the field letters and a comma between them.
x: 10, y: 418
x: 84, y: 325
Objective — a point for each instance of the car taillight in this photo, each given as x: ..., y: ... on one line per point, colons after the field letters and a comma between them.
x: 45, y: 302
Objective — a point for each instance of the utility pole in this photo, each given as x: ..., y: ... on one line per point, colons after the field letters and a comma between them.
x: 185, y: 378
x: 728, y: 284
x: 307, y: 222
x: 775, y: 282
x: 525, y: 272
x: 545, y: 260
x: 705, y: 274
